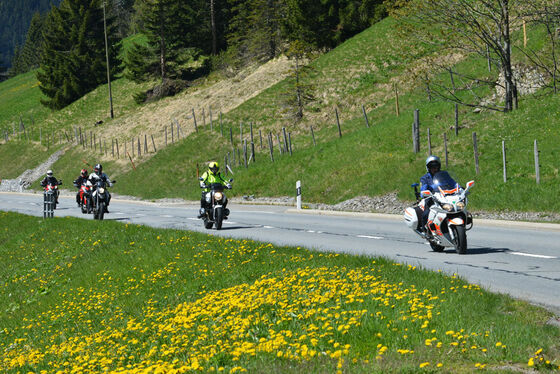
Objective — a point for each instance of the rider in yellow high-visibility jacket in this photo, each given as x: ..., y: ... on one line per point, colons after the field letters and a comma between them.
x: 212, y: 175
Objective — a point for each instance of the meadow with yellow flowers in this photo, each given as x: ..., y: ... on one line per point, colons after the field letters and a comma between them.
x: 80, y: 296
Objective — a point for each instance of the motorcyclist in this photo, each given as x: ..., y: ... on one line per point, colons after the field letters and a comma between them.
x: 433, y: 165
x: 50, y: 179
x: 78, y: 183
x: 99, y: 174
x: 212, y: 175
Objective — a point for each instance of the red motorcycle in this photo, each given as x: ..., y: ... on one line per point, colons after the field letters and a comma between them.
x: 50, y: 194
x: 85, y: 197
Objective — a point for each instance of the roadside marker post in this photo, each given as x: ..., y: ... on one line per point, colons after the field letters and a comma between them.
x: 298, y: 195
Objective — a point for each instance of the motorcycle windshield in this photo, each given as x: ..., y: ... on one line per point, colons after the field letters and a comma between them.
x: 217, y: 187
x: 443, y: 180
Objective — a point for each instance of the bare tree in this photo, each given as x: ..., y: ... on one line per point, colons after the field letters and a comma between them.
x: 546, y: 14
x: 482, y: 27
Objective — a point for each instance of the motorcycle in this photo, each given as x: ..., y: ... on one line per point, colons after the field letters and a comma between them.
x: 215, y: 213
x: 448, y: 220
x: 50, y: 193
x: 100, y: 198
x: 85, y: 197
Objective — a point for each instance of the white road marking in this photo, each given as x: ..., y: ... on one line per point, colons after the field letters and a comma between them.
x: 230, y: 223
x: 166, y: 216
x: 268, y: 227
x: 256, y: 211
x: 310, y: 231
x: 370, y: 237
x: 193, y: 219
x: 532, y: 255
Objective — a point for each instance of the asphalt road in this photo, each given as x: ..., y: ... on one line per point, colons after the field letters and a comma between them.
x: 519, y: 259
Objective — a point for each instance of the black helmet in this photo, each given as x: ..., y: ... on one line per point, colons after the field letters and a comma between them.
x: 432, y: 161
x: 98, y: 168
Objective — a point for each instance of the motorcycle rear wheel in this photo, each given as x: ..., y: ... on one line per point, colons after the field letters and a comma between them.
x: 460, y: 235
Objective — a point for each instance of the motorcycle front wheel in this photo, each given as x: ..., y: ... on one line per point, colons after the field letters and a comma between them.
x: 219, y: 218
x: 460, y: 239
x: 101, y: 210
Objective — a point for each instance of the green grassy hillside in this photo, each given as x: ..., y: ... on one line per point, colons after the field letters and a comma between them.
x: 365, y: 161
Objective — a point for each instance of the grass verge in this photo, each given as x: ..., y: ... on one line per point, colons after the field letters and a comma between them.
x: 110, y: 297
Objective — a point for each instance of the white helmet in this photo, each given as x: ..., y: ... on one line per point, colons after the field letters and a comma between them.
x: 433, y: 160
x: 49, y: 173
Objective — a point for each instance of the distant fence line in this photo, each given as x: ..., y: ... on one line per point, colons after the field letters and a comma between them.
x: 242, y: 154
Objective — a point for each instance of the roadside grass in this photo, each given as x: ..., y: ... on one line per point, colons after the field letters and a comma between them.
x: 19, y: 156
x: 104, y: 296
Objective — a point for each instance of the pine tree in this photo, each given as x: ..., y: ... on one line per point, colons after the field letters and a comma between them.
x: 73, y: 60
x: 29, y: 56
x: 254, y: 31
x: 176, y: 36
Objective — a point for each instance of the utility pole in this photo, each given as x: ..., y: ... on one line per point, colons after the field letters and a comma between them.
x: 107, y: 59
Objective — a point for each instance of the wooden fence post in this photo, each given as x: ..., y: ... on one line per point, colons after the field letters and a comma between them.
x: 117, y: 143
x: 245, y: 153
x: 488, y: 58
x: 139, y: 149
x: 145, y: 143
x: 172, y: 134
x: 416, y: 131
x: 397, y: 109
x: 221, y: 125
x: 260, y: 136
x: 475, y: 146
x: 537, y: 166
x: 504, y: 161
x: 365, y: 116
x: 165, y: 129
x: 290, y: 142
x: 194, y: 120
x: 279, y: 144
x: 445, y: 149
x: 312, y: 135
x: 338, y: 122
x: 211, y: 122
x: 429, y: 142
x: 270, y: 147
x: 203, y: 118
x: 241, y: 132
x: 285, y: 140
x: 231, y: 136
x: 154, y: 143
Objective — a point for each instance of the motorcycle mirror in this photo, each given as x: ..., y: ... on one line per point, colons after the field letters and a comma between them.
x: 200, y: 179
x: 230, y: 180
x: 470, y: 184
x: 414, y: 185
x: 426, y: 193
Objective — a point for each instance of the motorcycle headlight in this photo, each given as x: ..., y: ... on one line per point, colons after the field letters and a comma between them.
x: 218, y: 195
x: 101, y: 190
x: 447, y: 207
x: 460, y: 205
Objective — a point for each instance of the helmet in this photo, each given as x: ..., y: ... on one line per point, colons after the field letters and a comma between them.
x: 98, y: 168
x: 83, y: 173
x: 432, y: 161
x: 214, y: 167
x: 49, y: 173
